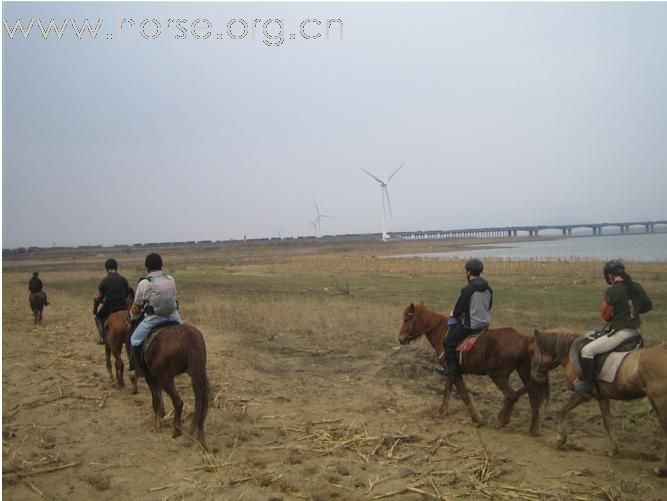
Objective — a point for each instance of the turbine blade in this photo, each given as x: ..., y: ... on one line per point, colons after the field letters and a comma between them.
x: 394, y: 173
x: 317, y: 209
x: 386, y: 192
x: 377, y: 179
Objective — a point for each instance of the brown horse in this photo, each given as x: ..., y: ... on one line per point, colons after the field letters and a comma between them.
x: 37, y: 303
x: 497, y: 353
x: 117, y: 330
x: 642, y: 373
x: 177, y: 349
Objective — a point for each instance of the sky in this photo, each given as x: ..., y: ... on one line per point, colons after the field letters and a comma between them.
x: 503, y: 114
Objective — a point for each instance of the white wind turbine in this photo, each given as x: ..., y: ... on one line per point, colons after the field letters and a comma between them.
x: 318, y: 220
x: 384, y: 194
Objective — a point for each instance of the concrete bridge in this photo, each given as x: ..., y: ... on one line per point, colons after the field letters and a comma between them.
x: 531, y: 231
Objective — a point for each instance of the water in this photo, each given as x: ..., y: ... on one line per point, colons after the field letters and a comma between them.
x: 637, y: 247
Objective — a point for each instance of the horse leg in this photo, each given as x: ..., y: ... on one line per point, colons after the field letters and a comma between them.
x: 502, y: 382
x: 107, y: 355
x: 156, y: 398
x: 660, y: 407
x: 536, y: 395
x: 608, y: 422
x: 574, y: 401
x: 465, y: 396
x: 447, y: 392
x: 119, y: 369
x: 170, y: 388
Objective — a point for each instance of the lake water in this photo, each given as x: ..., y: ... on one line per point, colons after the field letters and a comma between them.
x: 637, y: 247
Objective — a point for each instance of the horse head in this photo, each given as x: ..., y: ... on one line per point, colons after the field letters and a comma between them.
x: 413, y: 325
x: 546, y: 350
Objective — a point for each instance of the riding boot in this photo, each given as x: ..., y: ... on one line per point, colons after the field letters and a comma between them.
x: 100, y: 330
x: 138, y: 356
x: 452, y: 364
x: 584, y: 386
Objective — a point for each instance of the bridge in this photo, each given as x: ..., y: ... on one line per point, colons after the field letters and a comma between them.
x: 530, y: 231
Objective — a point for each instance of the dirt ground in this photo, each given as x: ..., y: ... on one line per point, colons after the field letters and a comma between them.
x: 291, y: 417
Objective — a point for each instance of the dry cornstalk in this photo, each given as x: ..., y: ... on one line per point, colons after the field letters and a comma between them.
x: 155, y: 489
x: 103, y: 399
x: 34, y: 488
x: 47, y: 470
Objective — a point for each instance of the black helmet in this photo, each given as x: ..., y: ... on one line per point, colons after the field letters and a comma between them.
x: 474, y: 266
x: 110, y: 264
x: 613, y: 267
x: 35, y: 273
x: 153, y: 262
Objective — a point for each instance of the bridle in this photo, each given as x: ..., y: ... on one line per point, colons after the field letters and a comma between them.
x: 543, y: 369
x: 412, y: 335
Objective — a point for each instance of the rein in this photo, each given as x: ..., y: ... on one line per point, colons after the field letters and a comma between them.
x: 412, y: 335
x: 552, y: 365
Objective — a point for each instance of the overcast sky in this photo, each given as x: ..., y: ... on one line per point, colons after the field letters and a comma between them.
x: 504, y: 114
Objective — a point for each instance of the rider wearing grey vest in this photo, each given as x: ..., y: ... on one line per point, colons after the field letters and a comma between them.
x: 156, y: 297
x: 471, y: 313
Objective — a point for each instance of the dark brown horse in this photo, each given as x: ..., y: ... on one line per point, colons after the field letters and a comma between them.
x: 37, y: 303
x: 643, y: 373
x: 497, y: 353
x: 174, y: 350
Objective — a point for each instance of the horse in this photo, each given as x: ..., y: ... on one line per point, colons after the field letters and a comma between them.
x: 496, y: 353
x: 117, y: 330
x: 37, y: 303
x: 174, y: 350
x: 643, y: 373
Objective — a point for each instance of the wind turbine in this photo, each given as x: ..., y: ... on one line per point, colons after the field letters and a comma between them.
x: 318, y: 220
x: 384, y: 194
x: 314, y: 225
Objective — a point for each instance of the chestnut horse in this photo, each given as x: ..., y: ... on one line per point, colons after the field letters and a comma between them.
x: 37, y: 303
x: 174, y: 350
x: 497, y: 353
x: 642, y: 373
x: 117, y: 330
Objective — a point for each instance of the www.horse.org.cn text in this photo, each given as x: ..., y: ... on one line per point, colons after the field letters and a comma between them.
x: 270, y: 32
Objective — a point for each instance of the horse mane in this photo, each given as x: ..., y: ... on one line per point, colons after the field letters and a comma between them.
x: 556, y: 342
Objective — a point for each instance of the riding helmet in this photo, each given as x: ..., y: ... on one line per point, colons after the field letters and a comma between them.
x: 613, y: 267
x: 474, y: 266
x: 153, y: 262
x: 110, y: 264
x: 35, y: 273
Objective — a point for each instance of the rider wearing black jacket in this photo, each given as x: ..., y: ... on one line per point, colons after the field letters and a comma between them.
x: 112, y: 293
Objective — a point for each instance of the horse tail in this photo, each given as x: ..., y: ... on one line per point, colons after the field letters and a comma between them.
x: 200, y: 386
x: 547, y: 392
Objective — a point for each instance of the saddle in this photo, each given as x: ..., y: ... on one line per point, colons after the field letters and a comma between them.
x: 155, y: 331
x: 468, y: 344
x: 605, y: 365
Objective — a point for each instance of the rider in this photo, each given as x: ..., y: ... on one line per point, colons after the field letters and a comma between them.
x: 623, y: 302
x: 156, y: 296
x: 471, y: 313
x: 112, y: 294
x: 35, y: 285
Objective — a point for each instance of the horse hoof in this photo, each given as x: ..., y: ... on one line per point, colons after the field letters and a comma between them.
x: 612, y: 453
x: 177, y: 433
x: 661, y: 471
x: 560, y: 442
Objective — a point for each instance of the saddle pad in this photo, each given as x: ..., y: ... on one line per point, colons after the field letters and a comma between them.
x: 467, y: 344
x: 611, y: 366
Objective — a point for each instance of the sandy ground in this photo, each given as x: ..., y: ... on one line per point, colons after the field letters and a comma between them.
x: 293, y: 417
